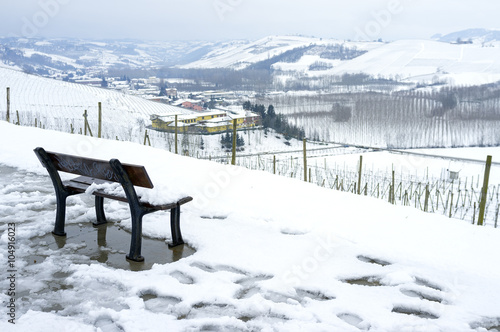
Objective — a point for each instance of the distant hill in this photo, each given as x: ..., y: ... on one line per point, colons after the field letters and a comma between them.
x: 428, y: 61
x: 477, y: 36
x: 270, y: 50
x: 411, y: 61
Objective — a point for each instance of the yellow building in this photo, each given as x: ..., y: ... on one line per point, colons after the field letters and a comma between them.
x: 212, y: 122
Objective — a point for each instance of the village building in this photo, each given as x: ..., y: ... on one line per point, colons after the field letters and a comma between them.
x: 211, y: 122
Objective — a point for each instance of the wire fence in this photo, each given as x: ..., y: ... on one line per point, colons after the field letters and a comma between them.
x: 456, y: 198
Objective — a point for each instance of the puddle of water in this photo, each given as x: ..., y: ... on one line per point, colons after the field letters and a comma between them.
x: 420, y: 295
x: 249, y: 281
x: 161, y: 304
x: 247, y: 293
x: 182, y: 278
x: 365, y: 281
x: 353, y: 320
x: 426, y: 283
x: 203, y: 267
x: 414, y: 312
x: 490, y: 324
x: 371, y: 260
x: 302, y: 293
x: 108, y: 244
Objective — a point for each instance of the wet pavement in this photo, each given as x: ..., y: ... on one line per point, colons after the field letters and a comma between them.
x: 31, y: 195
x: 108, y: 244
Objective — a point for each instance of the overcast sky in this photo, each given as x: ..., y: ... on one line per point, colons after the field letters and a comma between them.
x: 243, y: 19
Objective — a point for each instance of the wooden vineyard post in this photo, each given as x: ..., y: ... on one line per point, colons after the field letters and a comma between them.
x: 86, y: 124
x: 175, y: 138
x: 305, y: 159
x: 451, y: 205
x: 474, y: 214
x: 146, y: 138
x: 393, y: 199
x: 18, y: 122
x: 8, y: 105
x: 99, y: 129
x: 274, y: 164
x: 426, y: 202
x: 233, y: 156
x: 484, y: 192
x: 496, y: 215
x: 359, y: 174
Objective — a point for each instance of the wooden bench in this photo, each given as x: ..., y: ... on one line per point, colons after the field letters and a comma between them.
x: 99, y: 172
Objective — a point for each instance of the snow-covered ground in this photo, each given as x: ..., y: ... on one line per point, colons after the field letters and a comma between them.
x: 428, y: 61
x: 272, y: 254
x: 422, y: 61
x: 241, y: 55
x: 59, y: 104
x: 421, y: 166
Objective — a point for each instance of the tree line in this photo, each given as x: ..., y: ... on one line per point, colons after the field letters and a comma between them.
x: 272, y: 120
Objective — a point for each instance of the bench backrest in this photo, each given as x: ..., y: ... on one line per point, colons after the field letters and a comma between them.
x: 95, y: 168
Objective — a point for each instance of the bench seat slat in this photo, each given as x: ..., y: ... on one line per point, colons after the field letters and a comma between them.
x: 81, y: 183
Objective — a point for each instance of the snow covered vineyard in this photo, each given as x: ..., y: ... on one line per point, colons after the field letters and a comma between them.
x: 445, y: 185
x: 307, y: 259
x: 59, y: 105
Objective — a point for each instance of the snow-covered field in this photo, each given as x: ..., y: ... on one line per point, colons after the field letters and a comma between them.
x: 423, y: 61
x: 272, y: 254
x: 428, y: 61
x: 241, y: 55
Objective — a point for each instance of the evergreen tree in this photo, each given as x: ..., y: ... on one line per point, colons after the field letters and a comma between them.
x: 247, y: 105
x: 211, y: 104
x: 185, y: 142
x: 163, y: 91
x: 270, y: 111
x: 239, y: 140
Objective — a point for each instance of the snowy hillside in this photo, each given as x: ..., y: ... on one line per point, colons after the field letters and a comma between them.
x: 476, y: 36
x: 428, y: 61
x: 240, y: 56
x: 422, y: 61
x: 59, y: 56
x: 272, y: 254
x: 59, y: 105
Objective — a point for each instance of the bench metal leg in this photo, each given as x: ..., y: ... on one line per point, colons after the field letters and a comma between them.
x: 60, y: 214
x: 99, y: 211
x: 136, y: 239
x: 175, y: 220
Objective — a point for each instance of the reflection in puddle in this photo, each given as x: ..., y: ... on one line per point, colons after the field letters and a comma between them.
x: 109, y: 247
